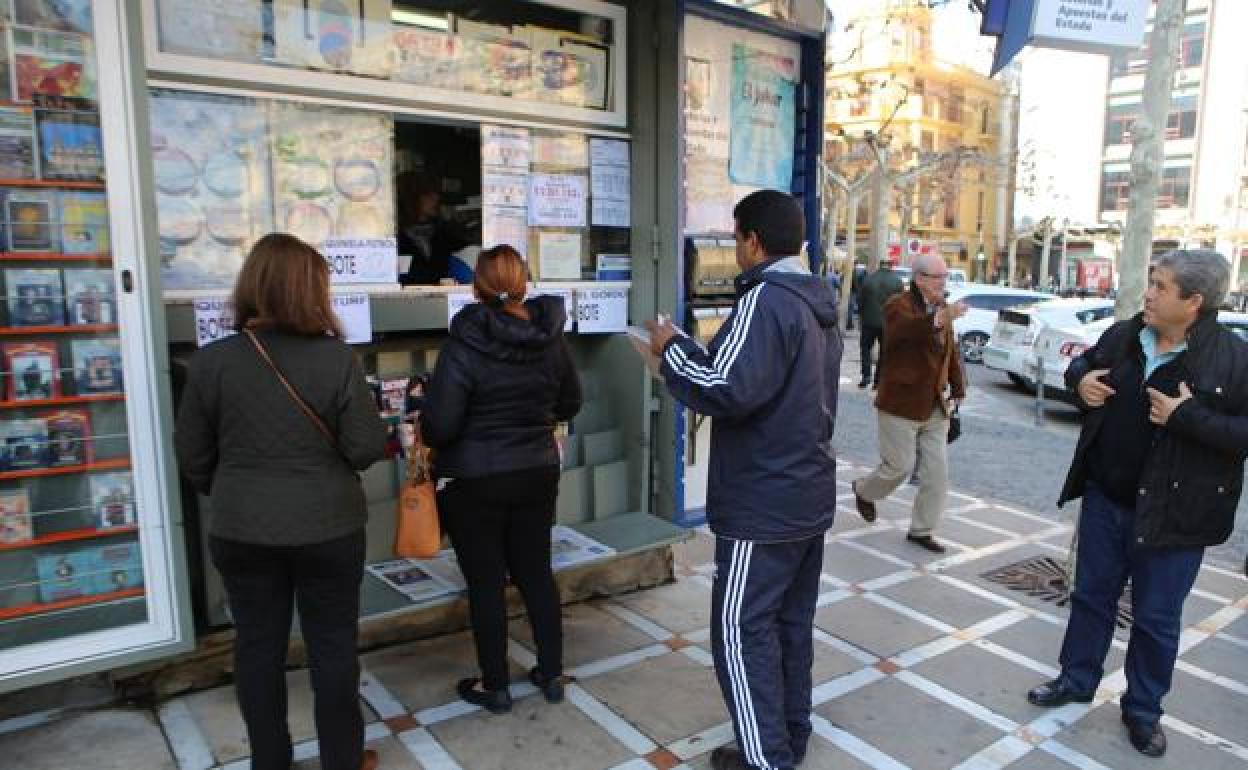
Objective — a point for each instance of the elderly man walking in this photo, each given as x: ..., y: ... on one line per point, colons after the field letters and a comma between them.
x: 1159, y: 465
x: 919, y: 389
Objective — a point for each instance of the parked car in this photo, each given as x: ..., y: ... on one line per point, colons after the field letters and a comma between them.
x: 1017, y: 329
x: 1058, y: 345
x: 984, y: 301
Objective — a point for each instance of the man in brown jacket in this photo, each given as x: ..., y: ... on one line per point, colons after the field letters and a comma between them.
x: 918, y: 389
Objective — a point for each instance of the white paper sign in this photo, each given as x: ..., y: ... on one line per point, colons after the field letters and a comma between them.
x: 610, y: 182
x: 1083, y: 25
x: 362, y: 260
x: 455, y: 302
x: 557, y: 200
x: 355, y: 314
x: 502, y: 188
x: 609, y: 213
x: 569, y: 304
x: 608, y: 152
x: 505, y: 225
x: 602, y: 311
x: 214, y: 320
x: 503, y: 146
x: 559, y: 256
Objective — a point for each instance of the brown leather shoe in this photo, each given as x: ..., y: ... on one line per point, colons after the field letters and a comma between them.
x: 866, y: 508
x: 928, y: 542
x: 370, y: 760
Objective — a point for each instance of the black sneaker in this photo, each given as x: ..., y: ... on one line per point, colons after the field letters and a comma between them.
x: 1148, y: 739
x: 551, y: 689
x: 493, y: 701
x: 728, y: 758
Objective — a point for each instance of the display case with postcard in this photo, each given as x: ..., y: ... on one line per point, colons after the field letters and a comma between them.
x: 32, y: 371
x: 525, y: 53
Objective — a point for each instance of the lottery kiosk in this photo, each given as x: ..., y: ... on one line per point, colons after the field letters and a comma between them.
x: 148, y: 144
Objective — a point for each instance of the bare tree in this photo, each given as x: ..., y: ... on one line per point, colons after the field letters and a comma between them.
x: 1147, y: 149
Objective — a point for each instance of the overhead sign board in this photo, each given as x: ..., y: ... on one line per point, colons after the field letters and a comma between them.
x: 1090, y: 26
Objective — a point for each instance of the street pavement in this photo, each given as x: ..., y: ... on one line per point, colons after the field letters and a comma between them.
x: 1002, y: 454
x: 920, y: 662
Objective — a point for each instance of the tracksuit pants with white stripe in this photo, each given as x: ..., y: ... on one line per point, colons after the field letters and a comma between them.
x: 763, y: 609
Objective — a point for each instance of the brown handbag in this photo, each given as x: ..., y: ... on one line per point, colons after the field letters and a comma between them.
x: 418, y: 534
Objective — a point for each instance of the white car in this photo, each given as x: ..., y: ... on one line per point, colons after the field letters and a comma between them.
x: 984, y: 302
x: 1057, y: 346
x: 1017, y: 329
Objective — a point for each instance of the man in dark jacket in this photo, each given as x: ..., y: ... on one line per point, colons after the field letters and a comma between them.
x: 1159, y: 464
x: 876, y: 289
x: 769, y: 380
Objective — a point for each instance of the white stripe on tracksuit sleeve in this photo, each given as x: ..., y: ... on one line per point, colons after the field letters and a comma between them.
x: 746, y: 370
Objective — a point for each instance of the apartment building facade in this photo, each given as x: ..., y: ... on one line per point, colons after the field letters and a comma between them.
x: 1202, y: 200
x: 884, y: 80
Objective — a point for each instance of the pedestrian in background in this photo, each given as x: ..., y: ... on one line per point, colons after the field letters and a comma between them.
x: 769, y: 380
x: 1159, y: 465
x: 876, y: 289
x: 921, y: 386
x: 288, y: 511
x: 503, y: 380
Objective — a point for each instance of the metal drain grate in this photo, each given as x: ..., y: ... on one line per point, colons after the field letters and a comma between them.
x: 1044, y: 577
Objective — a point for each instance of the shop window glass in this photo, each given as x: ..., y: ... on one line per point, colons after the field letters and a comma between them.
x: 953, y: 107
x: 1174, y: 189
x: 230, y: 169
x: 70, y: 552
x: 1181, y: 122
x: 1115, y: 190
x: 526, y: 51
x: 1118, y: 123
x: 1192, y: 45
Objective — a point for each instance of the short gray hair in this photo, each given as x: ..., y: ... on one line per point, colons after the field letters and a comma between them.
x: 1199, y: 271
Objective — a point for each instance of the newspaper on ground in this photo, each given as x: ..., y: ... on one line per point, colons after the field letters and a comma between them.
x: 569, y: 547
x: 410, y: 578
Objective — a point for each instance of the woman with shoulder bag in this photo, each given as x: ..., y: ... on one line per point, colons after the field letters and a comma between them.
x: 274, y: 424
x: 503, y: 380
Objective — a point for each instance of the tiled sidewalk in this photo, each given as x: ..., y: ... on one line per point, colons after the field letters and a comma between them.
x: 919, y: 663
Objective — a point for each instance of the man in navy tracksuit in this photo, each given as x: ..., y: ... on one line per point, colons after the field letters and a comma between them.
x: 769, y: 381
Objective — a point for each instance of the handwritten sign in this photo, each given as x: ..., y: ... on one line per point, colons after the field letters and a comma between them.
x: 559, y: 256
x: 362, y: 260
x: 602, y: 311
x: 505, y: 146
x: 355, y: 314
x: 500, y: 188
x: 557, y: 200
x: 214, y: 320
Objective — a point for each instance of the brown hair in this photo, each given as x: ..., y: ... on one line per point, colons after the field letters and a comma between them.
x: 284, y: 286
x: 500, y: 280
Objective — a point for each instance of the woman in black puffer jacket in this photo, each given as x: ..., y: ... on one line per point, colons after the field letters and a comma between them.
x: 503, y: 380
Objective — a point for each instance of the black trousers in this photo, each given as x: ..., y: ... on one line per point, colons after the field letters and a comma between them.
x: 867, y: 340
x: 501, y: 524
x: 264, y: 584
